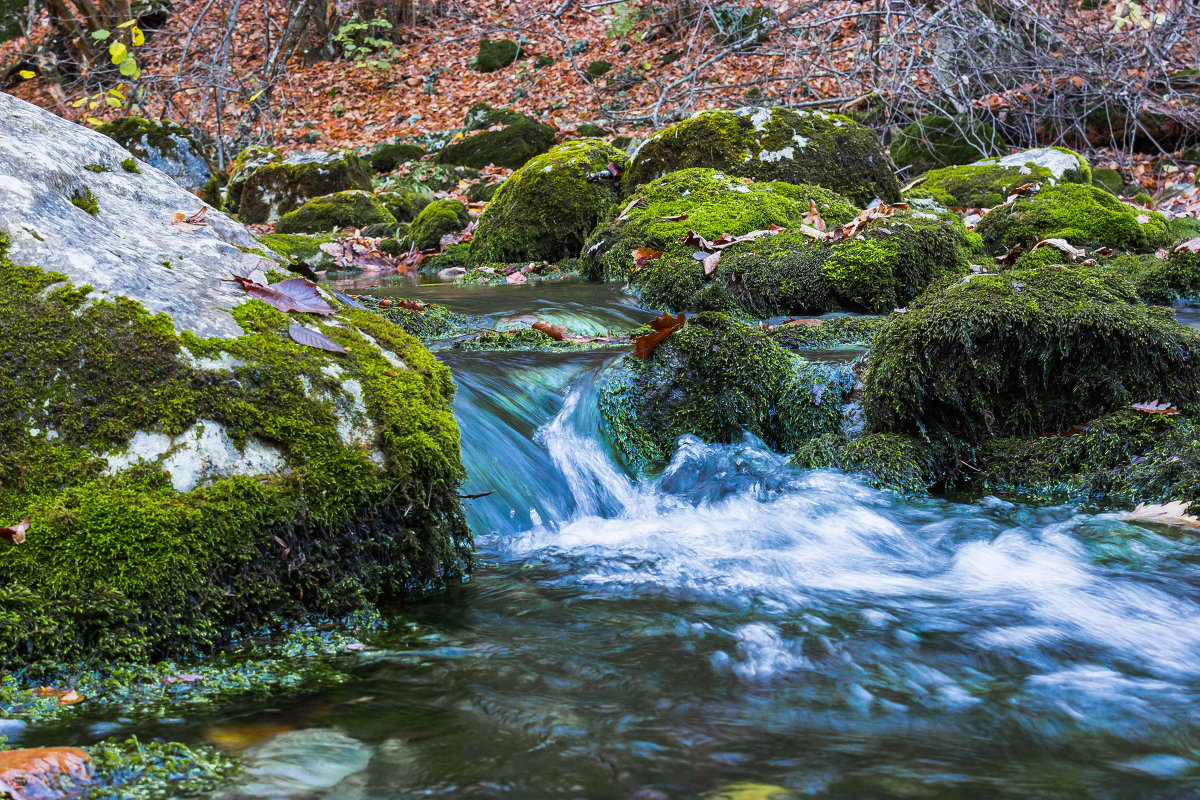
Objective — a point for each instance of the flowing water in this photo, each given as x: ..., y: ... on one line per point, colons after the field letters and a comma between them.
x: 735, y: 624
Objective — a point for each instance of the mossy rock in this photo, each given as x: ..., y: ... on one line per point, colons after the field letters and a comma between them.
x: 520, y: 139
x: 596, y: 69
x: 718, y: 379
x: 435, y: 221
x: 387, y: 157
x: 386, y: 230
x: 495, y: 54
x: 1086, y: 216
x: 712, y: 203
x: 424, y: 177
x: 404, y: 205
x: 185, y: 490
x: 297, y: 247
x: 546, y: 209
x: 353, y: 209
x: 897, y: 463
x: 1108, y: 179
x: 889, y: 264
x: 826, y: 150
x: 592, y: 131
x: 263, y: 185
x: 989, y: 182
x: 1160, y: 281
x: 833, y: 331
x: 942, y: 141
x: 163, y: 145
x: 482, y: 191
x: 1024, y: 352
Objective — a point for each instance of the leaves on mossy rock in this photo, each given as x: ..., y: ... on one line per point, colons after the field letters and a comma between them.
x: 356, y: 252
x: 643, y: 256
x: 662, y: 327
x: 556, y: 332
x: 1191, y: 246
x: 310, y: 338
x: 44, y: 772
x: 15, y: 533
x: 294, y: 294
x: 1155, y: 407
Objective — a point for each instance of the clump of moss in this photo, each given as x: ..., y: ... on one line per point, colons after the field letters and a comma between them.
x: 425, y: 177
x: 898, y: 463
x: 297, y: 246
x: 406, y: 205
x: 130, y: 165
x: 1108, y: 179
x: 97, y: 168
x: 1085, y: 216
x: 1160, y: 281
x: 435, y: 221
x: 975, y: 185
x: 495, y: 54
x: 777, y: 144
x: 1022, y: 353
x: 120, y: 565
x: 133, y: 770
x: 710, y: 203
x: 519, y: 139
x: 165, y: 145
x: 546, y: 209
x: 717, y: 378
x: 831, y: 332
x: 387, y: 157
x: 352, y: 209
x: 596, y: 69
x: 519, y: 339
x: 86, y: 200
x: 940, y: 141
x: 263, y: 185
x: 429, y: 323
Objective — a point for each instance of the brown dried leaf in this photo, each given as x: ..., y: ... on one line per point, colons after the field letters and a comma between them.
x: 1154, y: 407
x: 193, y: 222
x: 1143, y: 218
x: 663, y: 327
x: 629, y: 207
x: 1062, y: 245
x: 642, y: 257
x: 556, y: 332
x: 1191, y: 245
x: 813, y: 216
x: 1008, y: 258
x: 693, y: 239
x: 710, y: 264
x: 675, y: 218
x: 310, y: 338
x: 15, y: 533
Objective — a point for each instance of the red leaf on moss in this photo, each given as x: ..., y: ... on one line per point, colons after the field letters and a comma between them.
x: 294, y: 294
x: 813, y: 216
x: 643, y: 256
x: 663, y: 327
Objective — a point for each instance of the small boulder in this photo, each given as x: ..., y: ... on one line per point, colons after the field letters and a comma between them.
x: 495, y: 54
x: 517, y: 139
x: 546, y: 209
x: 435, y: 221
x: 718, y: 379
x: 772, y: 144
x: 387, y: 157
x: 405, y: 205
x: 264, y: 185
x: 988, y: 183
x: 165, y: 146
x: 941, y: 141
x: 352, y: 209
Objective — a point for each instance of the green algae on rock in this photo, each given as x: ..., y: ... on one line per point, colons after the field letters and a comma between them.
x: 517, y: 139
x: 546, y: 209
x: 351, y: 209
x: 435, y: 221
x: 136, y: 770
x: 718, y: 379
x: 832, y: 331
x: 826, y: 150
x: 1086, y: 216
x: 898, y: 463
x: 163, y: 145
x: 494, y: 54
x: 404, y: 205
x: 264, y: 185
x: 1022, y: 353
x: 941, y: 141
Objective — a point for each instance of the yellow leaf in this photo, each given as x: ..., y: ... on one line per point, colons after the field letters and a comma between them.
x: 136, y: 36
x: 113, y: 102
x: 79, y: 102
x: 27, y: 74
x: 127, y: 23
x: 118, y: 52
x: 94, y: 121
x: 256, y: 95
x: 93, y: 105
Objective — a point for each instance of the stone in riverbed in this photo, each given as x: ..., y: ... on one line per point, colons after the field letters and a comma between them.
x: 299, y: 764
x: 44, y: 773
x: 264, y: 185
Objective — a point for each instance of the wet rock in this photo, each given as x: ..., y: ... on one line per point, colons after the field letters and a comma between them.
x: 44, y: 773
x: 164, y: 145
x: 314, y: 762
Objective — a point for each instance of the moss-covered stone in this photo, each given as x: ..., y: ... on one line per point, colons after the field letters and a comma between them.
x: 546, y: 209
x: 387, y: 157
x: 709, y: 202
x: 495, y: 54
x: 127, y: 561
x: 857, y: 331
x: 592, y: 131
x: 405, y: 206
x: 975, y: 186
x: 163, y: 145
x: 1108, y: 179
x: 435, y: 221
x: 385, y: 230
x: 898, y: 463
x: 1024, y: 353
x: 595, y: 69
x: 1086, y: 216
x: 297, y: 247
x: 263, y: 185
x: 942, y: 141
x: 425, y: 177
x: 352, y: 209
x: 718, y: 379
x: 519, y: 139
x: 826, y: 150
x: 1161, y: 281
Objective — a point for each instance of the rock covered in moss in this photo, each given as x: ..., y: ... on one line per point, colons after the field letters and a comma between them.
x: 435, y: 221
x: 494, y: 54
x: 190, y: 471
x: 165, y: 146
x: 546, y: 209
x: 1158, y: 281
x: 518, y: 139
x: 1086, y: 216
x: 988, y: 183
x: 898, y: 463
x: 826, y: 150
x: 831, y: 331
x: 718, y: 379
x: 264, y: 185
x: 386, y: 157
x: 405, y: 205
x: 425, y: 177
x: 352, y: 209
x: 1108, y: 179
x: 709, y: 202
x: 1022, y: 353
x: 941, y: 141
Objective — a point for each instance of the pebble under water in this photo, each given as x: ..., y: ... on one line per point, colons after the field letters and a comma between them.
x: 738, y: 628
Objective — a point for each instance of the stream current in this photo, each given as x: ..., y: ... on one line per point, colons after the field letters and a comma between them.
x: 737, y: 628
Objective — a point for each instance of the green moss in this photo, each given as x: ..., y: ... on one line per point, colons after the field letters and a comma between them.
x: 941, y: 141
x: 424, y: 177
x: 302, y: 248
x: 263, y: 185
x: 546, y: 209
x: 86, y: 200
x: 976, y: 186
x: 519, y: 139
x: 521, y: 339
x: 385, y: 230
x: 435, y: 221
x: 1108, y: 179
x: 831, y: 332
x: 134, y: 133
x: 133, y: 770
x: 405, y: 206
x: 712, y: 203
x: 430, y: 323
x: 815, y: 148
x: 1022, y: 353
x: 353, y: 209
x: 894, y: 462
x: 592, y: 131
x: 120, y: 566
x: 1161, y: 281
x: 387, y: 157
x: 717, y: 379
x: 495, y: 54
x: 130, y: 165
x: 456, y: 255
x: 1083, y: 215
x: 595, y: 69
x: 97, y: 168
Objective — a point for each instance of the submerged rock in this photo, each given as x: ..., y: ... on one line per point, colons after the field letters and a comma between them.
x: 766, y: 144
x: 264, y: 185
x: 298, y: 764
x: 164, y: 145
x: 189, y: 470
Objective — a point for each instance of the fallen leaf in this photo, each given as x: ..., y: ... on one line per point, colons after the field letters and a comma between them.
x: 693, y: 239
x: 675, y: 218
x: 629, y: 207
x: 310, y: 338
x: 190, y: 223
x: 1062, y: 245
x: 1191, y: 245
x: 663, y: 327
x: 1008, y: 258
x: 555, y: 332
x: 710, y: 264
x: 813, y: 216
x: 1154, y: 407
x: 294, y: 294
x: 517, y: 278
x: 239, y: 737
x: 643, y: 256
x: 1143, y: 218
x: 43, y: 772
x: 15, y: 533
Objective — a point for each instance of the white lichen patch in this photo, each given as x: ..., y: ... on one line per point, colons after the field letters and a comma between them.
x: 1058, y: 162
x: 771, y: 156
